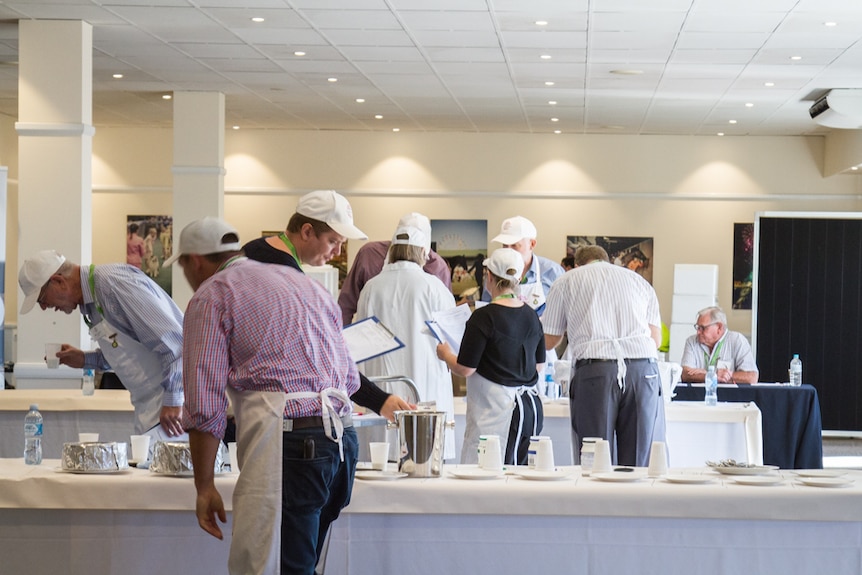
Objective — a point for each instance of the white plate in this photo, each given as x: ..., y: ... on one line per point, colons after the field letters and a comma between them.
x: 92, y: 471
x: 757, y: 470
x: 760, y: 480
x: 689, y: 478
x: 537, y: 475
x: 820, y: 472
x: 377, y: 475
x: 619, y: 477
x: 475, y: 473
x: 826, y: 481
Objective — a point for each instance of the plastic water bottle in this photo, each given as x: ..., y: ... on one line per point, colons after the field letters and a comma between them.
x: 711, y: 381
x: 796, y: 371
x: 33, y: 436
x: 550, y: 384
x: 88, y: 385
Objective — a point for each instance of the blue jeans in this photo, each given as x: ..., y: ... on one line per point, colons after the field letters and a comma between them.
x: 314, y: 492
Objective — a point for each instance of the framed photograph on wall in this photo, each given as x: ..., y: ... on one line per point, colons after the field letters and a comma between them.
x: 464, y: 246
x: 149, y: 242
x: 633, y: 253
x: 743, y: 265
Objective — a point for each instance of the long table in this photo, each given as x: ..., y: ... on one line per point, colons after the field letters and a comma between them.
x: 65, y: 413
x: 792, y: 429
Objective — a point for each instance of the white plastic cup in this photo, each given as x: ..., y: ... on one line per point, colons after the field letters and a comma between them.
x: 657, y: 459
x: 480, y: 450
x: 140, y: 448
x: 545, y: 455
x: 234, y: 457
x: 88, y: 437
x: 602, y: 460
x: 493, y: 453
x: 531, y: 449
x: 379, y: 454
x: 51, y: 351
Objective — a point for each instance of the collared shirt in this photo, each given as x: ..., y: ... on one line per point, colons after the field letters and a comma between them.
x: 138, y: 307
x: 735, y: 353
x: 600, y: 303
x: 546, y: 270
x: 260, y: 327
x: 367, y: 264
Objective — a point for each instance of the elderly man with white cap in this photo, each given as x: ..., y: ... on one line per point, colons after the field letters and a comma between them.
x: 323, y: 221
x: 369, y: 261
x: 403, y: 298
x: 137, y: 325
x: 519, y: 234
x: 270, y: 339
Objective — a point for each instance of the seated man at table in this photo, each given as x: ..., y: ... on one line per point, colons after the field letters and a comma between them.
x: 713, y: 344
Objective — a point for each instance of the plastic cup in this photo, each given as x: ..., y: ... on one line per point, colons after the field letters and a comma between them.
x: 88, y: 437
x: 493, y: 453
x: 51, y: 351
x: 379, y: 454
x: 657, y: 459
x: 545, y: 455
x: 140, y: 447
x: 234, y: 457
x: 602, y: 460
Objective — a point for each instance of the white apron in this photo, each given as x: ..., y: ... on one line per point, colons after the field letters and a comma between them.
x: 257, y: 498
x: 533, y: 293
x: 489, y: 412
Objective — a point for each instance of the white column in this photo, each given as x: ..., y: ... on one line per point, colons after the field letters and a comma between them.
x: 198, y: 168
x: 54, y: 176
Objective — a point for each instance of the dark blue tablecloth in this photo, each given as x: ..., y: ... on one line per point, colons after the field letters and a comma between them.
x: 792, y: 430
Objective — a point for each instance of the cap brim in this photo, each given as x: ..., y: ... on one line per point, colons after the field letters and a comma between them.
x: 171, y: 260
x: 29, y: 302
x: 348, y: 231
x: 507, y: 239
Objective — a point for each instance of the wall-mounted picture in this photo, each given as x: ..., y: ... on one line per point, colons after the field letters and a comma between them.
x: 149, y: 242
x: 635, y: 254
x: 743, y: 265
x: 339, y: 262
x: 464, y: 246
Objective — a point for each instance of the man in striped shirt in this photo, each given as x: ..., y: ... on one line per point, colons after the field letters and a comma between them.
x: 611, y: 317
x: 268, y: 337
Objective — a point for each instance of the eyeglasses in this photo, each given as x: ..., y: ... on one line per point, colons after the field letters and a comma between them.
x: 699, y: 327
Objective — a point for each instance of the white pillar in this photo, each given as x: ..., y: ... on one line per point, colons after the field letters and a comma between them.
x: 55, y: 111
x: 198, y: 169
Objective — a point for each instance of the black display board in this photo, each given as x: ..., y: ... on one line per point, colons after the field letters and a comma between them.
x: 808, y: 284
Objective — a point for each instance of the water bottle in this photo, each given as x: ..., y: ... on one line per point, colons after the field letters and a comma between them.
x: 796, y: 371
x: 711, y: 381
x: 33, y: 436
x: 550, y: 384
x: 88, y: 385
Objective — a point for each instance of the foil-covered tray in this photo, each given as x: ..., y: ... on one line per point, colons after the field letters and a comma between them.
x: 94, y: 457
x: 174, y: 458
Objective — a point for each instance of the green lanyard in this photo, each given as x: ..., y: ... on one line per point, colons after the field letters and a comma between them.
x: 227, y: 263
x: 91, y: 279
x: 504, y: 296
x: 713, y: 359
x: 290, y: 247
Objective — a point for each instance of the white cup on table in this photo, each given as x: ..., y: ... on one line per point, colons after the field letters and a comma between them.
x: 493, y: 459
x: 140, y: 447
x: 545, y: 455
x: 88, y: 437
x: 602, y: 460
x: 379, y: 454
x: 657, y: 459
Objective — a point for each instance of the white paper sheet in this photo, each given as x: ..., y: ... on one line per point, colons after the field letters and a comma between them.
x: 368, y: 338
x: 448, y: 326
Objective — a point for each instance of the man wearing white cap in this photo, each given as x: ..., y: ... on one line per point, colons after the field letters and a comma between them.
x: 323, y: 221
x: 369, y: 261
x: 137, y: 325
x: 519, y: 234
x: 270, y: 339
x: 403, y: 298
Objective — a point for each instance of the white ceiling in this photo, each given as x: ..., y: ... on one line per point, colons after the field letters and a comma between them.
x: 465, y: 65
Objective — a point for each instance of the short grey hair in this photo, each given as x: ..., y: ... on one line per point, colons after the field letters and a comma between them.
x: 716, y: 314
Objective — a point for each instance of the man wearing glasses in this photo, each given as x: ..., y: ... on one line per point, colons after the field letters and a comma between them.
x: 714, y: 345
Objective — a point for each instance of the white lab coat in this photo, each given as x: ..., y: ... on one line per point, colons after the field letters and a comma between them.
x: 403, y: 297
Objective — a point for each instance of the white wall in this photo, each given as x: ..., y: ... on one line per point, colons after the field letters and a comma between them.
x: 686, y: 192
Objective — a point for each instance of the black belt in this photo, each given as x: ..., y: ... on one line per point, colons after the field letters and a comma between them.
x: 583, y: 362
x: 297, y: 423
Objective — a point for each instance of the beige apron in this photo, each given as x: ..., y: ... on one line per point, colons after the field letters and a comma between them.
x: 489, y: 412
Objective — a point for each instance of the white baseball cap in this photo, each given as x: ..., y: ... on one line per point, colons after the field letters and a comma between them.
x: 505, y: 263
x: 420, y: 221
x: 514, y: 230
x: 208, y: 235
x: 411, y: 236
x: 333, y: 209
x: 35, y: 273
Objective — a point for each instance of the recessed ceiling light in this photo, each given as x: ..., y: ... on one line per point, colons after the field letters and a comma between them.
x: 796, y: 57
x: 545, y: 56
x: 720, y: 134
x: 555, y: 119
x: 549, y: 83
x: 552, y: 102
x: 749, y: 105
x: 769, y: 84
x: 235, y: 127
x: 830, y: 24
x: 117, y: 76
x: 627, y: 72
x: 332, y: 79
x: 258, y: 19
x: 166, y: 96
x: 558, y: 131
x: 541, y: 22
x: 299, y: 53
x: 855, y: 168
x: 360, y: 100
x: 378, y: 117
x: 396, y: 129
x: 731, y: 121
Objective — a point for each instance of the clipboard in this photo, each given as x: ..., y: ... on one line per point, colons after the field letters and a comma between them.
x: 368, y: 338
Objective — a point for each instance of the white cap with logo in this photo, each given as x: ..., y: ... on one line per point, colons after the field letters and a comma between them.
x: 505, y: 263
x: 207, y: 235
x: 35, y: 273
x: 333, y: 209
x: 514, y: 230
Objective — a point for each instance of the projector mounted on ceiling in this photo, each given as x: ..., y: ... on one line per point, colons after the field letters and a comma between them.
x: 839, y: 108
